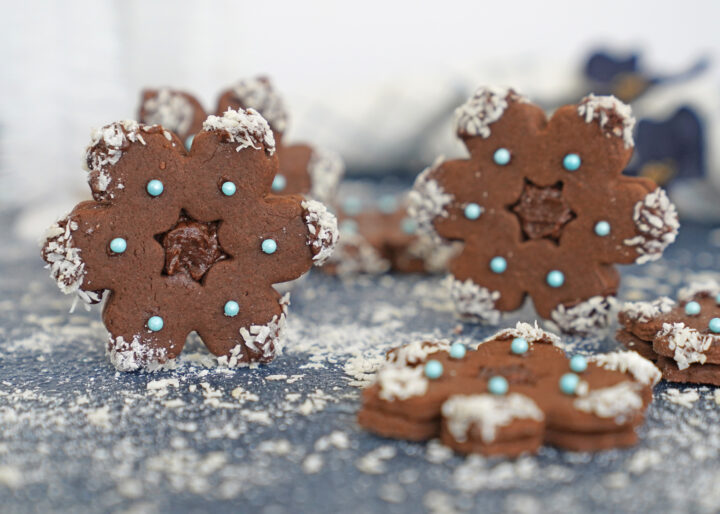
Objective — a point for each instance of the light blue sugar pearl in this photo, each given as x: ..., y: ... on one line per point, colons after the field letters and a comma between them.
x: 473, y: 211
x: 501, y: 156
x: 279, y: 183
x: 602, y: 228
x: 692, y: 308
x: 578, y: 363
x: 118, y: 245
x: 269, y: 246
x: 714, y: 325
x: 498, y: 264
x: 231, y: 309
x: 498, y: 385
x: 457, y: 350
x: 352, y: 206
x: 555, y: 278
x: 519, y: 346
x: 189, y: 141
x: 433, y: 369
x: 409, y: 226
x: 572, y: 162
x: 569, y: 383
x: 387, y: 204
x: 155, y: 323
x: 228, y: 188
x: 717, y: 299
x: 349, y: 227
x: 155, y: 187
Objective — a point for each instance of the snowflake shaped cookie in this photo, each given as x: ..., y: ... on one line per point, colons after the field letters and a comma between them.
x: 188, y: 241
x: 543, y: 208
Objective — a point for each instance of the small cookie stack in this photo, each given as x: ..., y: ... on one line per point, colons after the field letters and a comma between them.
x: 513, y: 393
x: 683, y: 338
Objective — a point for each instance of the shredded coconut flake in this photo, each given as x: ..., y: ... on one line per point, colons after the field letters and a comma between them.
x: 245, y: 127
x: 170, y: 109
x: 688, y: 344
x: 656, y: 220
x: 474, y: 301
x: 133, y: 355
x: 428, y: 201
x: 685, y: 398
x: 709, y: 287
x: 645, y: 311
x: 488, y: 412
x: 353, y: 254
x: 614, y: 117
x: 531, y: 333
x: 416, y: 352
x: 485, y: 107
x: 258, y: 93
x: 619, y: 401
x: 585, y: 317
x: 322, y: 230
x: 640, y: 368
x: 326, y: 168
x: 399, y: 382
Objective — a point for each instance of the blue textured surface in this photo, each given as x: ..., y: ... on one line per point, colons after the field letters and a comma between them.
x: 75, y: 436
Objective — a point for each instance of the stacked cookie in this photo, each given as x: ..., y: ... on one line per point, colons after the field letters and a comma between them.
x: 509, y: 395
x: 683, y: 338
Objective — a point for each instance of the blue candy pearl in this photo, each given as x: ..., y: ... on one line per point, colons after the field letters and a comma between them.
x: 189, y: 141
x: 228, y: 188
x: 409, y: 225
x: 602, y: 228
x: 714, y: 325
x: 473, y: 211
x: 457, y: 350
x: 279, y: 183
x: 231, y: 308
x: 501, y: 156
x: 717, y: 299
x: 578, y: 363
x: 155, y: 323
x: 555, y: 278
x: 352, y: 206
x: 387, y: 204
x: 118, y: 245
x: 498, y: 264
x: 349, y: 227
x: 571, y: 162
x: 519, y: 346
x: 154, y: 187
x: 498, y: 385
x: 569, y: 383
x: 433, y: 369
x: 269, y: 246
x: 692, y: 308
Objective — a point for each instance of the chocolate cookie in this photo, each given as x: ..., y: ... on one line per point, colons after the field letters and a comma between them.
x: 187, y: 241
x: 176, y: 111
x: 543, y: 208
x: 304, y: 169
x: 683, y: 338
x: 512, y: 393
x: 384, y: 238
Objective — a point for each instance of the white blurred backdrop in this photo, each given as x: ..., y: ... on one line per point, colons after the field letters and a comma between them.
x: 362, y: 78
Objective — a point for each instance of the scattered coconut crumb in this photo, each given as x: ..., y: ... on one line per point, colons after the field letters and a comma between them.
x: 686, y: 398
x: 374, y: 463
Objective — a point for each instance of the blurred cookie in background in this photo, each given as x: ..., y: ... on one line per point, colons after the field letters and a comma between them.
x: 377, y: 236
